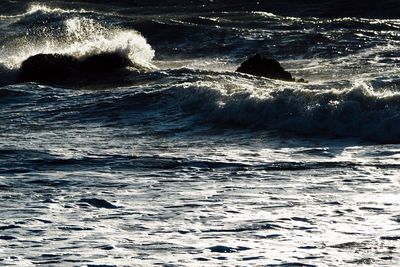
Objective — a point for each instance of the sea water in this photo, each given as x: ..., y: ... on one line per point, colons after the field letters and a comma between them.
x: 184, y: 162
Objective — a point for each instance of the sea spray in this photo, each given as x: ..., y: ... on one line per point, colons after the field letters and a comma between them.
x: 74, y: 35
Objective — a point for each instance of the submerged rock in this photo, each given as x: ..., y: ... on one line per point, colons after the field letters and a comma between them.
x: 259, y: 65
x: 222, y: 249
x: 98, y: 203
x: 225, y: 249
x: 301, y: 80
x: 58, y: 67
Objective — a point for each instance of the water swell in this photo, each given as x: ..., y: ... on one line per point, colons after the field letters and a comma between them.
x: 359, y: 111
x: 355, y: 112
x: 26, y: 160
x: 210, y: 97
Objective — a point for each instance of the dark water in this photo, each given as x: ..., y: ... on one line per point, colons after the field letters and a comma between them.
x: 185, y: 162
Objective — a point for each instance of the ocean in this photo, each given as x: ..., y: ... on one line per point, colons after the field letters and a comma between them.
x: 178, y: 160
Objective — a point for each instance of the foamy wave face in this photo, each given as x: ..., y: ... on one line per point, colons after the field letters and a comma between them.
x: 52, y: 31
x: 357, y: 112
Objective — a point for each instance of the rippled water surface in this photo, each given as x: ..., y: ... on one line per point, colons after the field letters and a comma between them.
x: 181, y: 161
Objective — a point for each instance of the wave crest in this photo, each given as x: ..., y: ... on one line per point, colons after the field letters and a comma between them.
x: 355, y: 112
x: 56, y: 32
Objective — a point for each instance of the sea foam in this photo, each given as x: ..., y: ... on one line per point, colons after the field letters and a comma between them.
x: 358, y: 111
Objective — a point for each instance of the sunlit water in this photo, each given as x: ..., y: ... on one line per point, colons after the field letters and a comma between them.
x: 189, y: 163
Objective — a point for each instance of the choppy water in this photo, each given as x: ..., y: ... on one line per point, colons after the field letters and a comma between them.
x: 186, y: 162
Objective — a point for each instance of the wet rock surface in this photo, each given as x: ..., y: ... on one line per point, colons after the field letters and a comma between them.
x: 259, y: 65
x: 53, y: 68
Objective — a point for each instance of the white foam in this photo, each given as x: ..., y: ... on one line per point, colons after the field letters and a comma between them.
x: 41, y: 8
x: 33, y: 8
x: 77, y: 36
x: 358, y: 111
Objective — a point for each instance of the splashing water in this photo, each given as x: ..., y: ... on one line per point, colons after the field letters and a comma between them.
x: 76, y: 36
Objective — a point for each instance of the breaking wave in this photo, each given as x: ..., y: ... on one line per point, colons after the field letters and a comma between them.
x: 358, y: 112
x: 43, y: 30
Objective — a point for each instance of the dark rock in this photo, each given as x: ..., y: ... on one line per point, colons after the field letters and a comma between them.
x: 53, y: 68
x: 98, y: 203
x: 106, y: 62
x: 48, y: 68
x: 225, y: 249
x: 106, y: 247
x: 252, y: 258
x: 202, y: 259
x: 222, y: 249
x: 259, y: 65
x: 301, y: 80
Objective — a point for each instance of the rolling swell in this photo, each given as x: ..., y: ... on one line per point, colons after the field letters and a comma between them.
x: 355, y: 112
x: 78, y: 37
